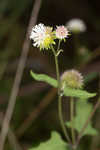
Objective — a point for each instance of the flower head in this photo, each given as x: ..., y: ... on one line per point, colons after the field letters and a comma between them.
x: 72, y: 79
x: 42, y: 36
x: 61, y: 32
x: 76, y: 25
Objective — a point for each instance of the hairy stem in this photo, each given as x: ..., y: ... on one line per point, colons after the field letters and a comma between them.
x: 60, y: 98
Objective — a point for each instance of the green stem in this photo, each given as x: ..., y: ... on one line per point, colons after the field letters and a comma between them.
x: 57, y: 70
x: 60, y: 98
x: 72, y: 119
x: 59, y: 45
x: 61, y: 119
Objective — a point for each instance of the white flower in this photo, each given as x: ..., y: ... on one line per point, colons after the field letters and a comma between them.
x: 61, y: 32
x: 76, y: 25
x: 38, y: 34
x: 42, y: 36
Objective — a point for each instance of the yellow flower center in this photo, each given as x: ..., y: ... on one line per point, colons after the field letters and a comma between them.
x: 47, y: 41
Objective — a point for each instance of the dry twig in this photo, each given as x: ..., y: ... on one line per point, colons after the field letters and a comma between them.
x: 19, y: 73
x: 11, y: 136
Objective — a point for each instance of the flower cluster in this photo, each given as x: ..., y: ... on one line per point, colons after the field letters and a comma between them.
x: 72, y: 79
x: 44, y: 36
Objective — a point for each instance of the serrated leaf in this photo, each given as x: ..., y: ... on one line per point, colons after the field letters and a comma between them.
x: 67, y: 91
x: 83, y: 110
x: 54, y: 143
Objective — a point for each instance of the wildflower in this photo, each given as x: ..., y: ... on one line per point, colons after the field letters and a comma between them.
x: 61, y: 32
x: 76, y: 25
x: 42, y: 36
x: 72, y: 79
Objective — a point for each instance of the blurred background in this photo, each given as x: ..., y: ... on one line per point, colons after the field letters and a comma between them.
x: 35, y: 112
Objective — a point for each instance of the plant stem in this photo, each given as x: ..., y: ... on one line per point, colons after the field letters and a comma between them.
x: 61, y: 118
x: 59, y: 45
x: 72, y: 119
x: 57, y: 70
x: 60, y: 97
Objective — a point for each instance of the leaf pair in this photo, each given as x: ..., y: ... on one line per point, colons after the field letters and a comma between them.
x: 67, y: 91
x: 83, y: 109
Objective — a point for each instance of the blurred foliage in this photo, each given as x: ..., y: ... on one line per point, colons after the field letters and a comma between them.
x: 53, y: 143
x: 83, y: 109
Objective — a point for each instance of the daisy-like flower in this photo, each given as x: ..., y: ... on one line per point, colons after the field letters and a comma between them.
x: 42, y: 36
x: 61, y: 32
x: 76, y: 25
x: 72, y: 79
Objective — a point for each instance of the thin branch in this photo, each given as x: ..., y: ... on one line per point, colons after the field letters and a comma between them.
x: 19, y: 73
x: 13, y: 141
x: 11, y: 136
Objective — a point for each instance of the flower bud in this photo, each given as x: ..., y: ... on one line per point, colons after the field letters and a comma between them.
x: 72, y: 79
x: 76, y: 25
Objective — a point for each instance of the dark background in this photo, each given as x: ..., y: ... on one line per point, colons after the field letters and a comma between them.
x: 14, y: 20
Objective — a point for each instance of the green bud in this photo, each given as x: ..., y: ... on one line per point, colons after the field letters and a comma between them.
x: 72, y: 79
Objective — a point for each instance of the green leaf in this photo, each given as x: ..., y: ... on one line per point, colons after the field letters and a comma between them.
x: 78, y: 93
x: 54, y: 143
x: 83, y: 110
x: 45, y: 78
x: 67, y: 91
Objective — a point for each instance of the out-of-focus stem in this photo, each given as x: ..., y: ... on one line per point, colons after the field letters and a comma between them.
x: 72, y: 119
